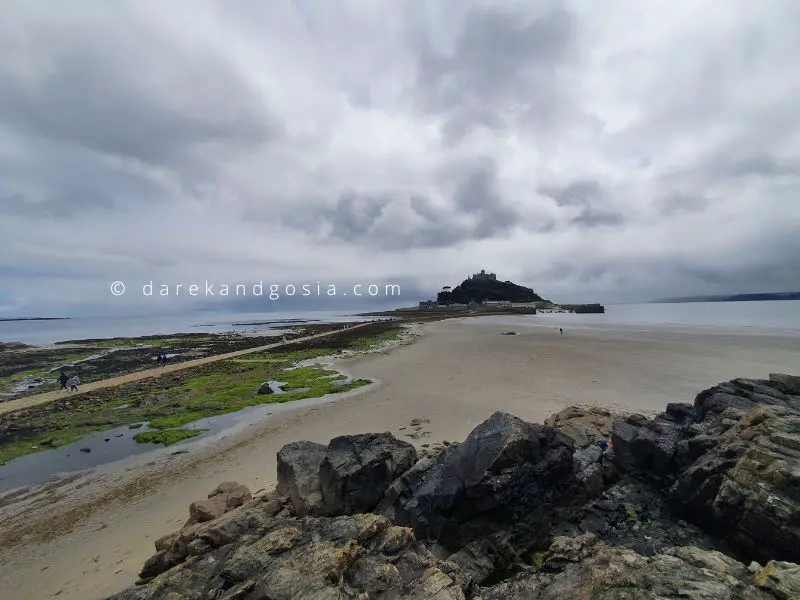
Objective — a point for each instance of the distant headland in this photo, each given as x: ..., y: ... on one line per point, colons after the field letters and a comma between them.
x: 34, y: 319
x: 732, y: 298
x: 484, y: 293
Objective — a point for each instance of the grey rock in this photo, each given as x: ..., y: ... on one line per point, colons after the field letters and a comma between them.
x: 226, y: 496
x: 355, y: 556
x: 505, y: 470
x: 357, y: 470
x: 746, y: 487
x: 585, y: 425
x: 585, y: 568
x: 298, y: 476
x: 264, y: 389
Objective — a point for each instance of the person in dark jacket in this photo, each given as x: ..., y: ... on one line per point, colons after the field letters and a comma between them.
x: 62, y: 379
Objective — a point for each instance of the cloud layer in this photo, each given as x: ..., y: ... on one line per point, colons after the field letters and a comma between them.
x: 593, y: 151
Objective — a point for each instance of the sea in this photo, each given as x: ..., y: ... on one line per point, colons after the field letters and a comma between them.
x: 780, y: 317
x: 769, y: 317
x: 43, y: 333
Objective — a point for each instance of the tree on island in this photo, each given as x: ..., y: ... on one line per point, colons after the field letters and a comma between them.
x: 480, y: 290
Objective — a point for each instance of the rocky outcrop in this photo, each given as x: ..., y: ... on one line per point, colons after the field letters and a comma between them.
x: 582, y: 567
x: 505, y: 472
x: 675, y: 508
x: 200, y: 538
x: 730, y: 463
x: 355, y: 556
x: 747, y: 487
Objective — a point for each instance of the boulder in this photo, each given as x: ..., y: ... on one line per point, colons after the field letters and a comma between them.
x: 226, y: 496
x: 357, y: 470
x: 298, y: 476
x: 265, y: 388
x: 585, y: 425
x: 506, y: 471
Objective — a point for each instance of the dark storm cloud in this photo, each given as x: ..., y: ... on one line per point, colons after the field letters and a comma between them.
x: 504, y: 60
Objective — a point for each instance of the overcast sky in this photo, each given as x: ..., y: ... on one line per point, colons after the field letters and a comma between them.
x: 597, y: 150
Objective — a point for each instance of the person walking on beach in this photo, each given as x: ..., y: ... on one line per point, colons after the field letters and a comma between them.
x: 561, y: 330
x: 73, y: 383
x: 62, y: 379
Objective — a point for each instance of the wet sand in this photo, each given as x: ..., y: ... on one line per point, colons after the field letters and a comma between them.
x: 455, y: 375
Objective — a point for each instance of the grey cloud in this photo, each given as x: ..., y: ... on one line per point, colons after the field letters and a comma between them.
x: 588, y: 195
x: 676, y: 203
x: 353, y: 215
x: 475, y: 211
x: 592, y: 217
x: 143, y: 98
x: 576, y: 193
x: 629, y: 162
x: 477, y: 195
x: 504, y: 60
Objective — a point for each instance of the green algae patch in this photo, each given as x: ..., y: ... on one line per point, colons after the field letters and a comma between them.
x: 167, y: 437
x: 175, y: 399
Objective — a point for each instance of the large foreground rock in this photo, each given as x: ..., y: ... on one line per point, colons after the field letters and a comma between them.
x: 298, y: 476
x: 357, y: 470
x: 507, y: 471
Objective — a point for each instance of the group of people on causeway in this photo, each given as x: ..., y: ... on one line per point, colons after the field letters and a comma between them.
x: 69, y: 380
x: 161, y: 359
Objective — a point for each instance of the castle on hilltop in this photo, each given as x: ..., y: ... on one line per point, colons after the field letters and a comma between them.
x: 483, y: 276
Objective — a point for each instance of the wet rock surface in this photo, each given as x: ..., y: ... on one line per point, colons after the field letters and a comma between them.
x: 688, y: 504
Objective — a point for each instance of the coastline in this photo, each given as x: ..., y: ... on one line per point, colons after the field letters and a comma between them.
x: 454, y: 375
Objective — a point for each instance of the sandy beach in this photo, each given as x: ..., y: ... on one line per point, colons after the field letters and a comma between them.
x: 454, y: 375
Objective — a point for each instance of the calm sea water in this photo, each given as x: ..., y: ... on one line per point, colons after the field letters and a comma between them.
x: 755, y: 317
x: 47, y: 332
x: 769, y: 317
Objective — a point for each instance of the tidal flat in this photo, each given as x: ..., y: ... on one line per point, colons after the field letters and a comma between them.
x: 165, y: 404
x: 26, y: 370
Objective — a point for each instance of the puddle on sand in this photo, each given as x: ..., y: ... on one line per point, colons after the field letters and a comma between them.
x: 37, y: 468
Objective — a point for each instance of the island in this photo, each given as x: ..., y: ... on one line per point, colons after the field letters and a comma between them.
x: 482, y: 293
